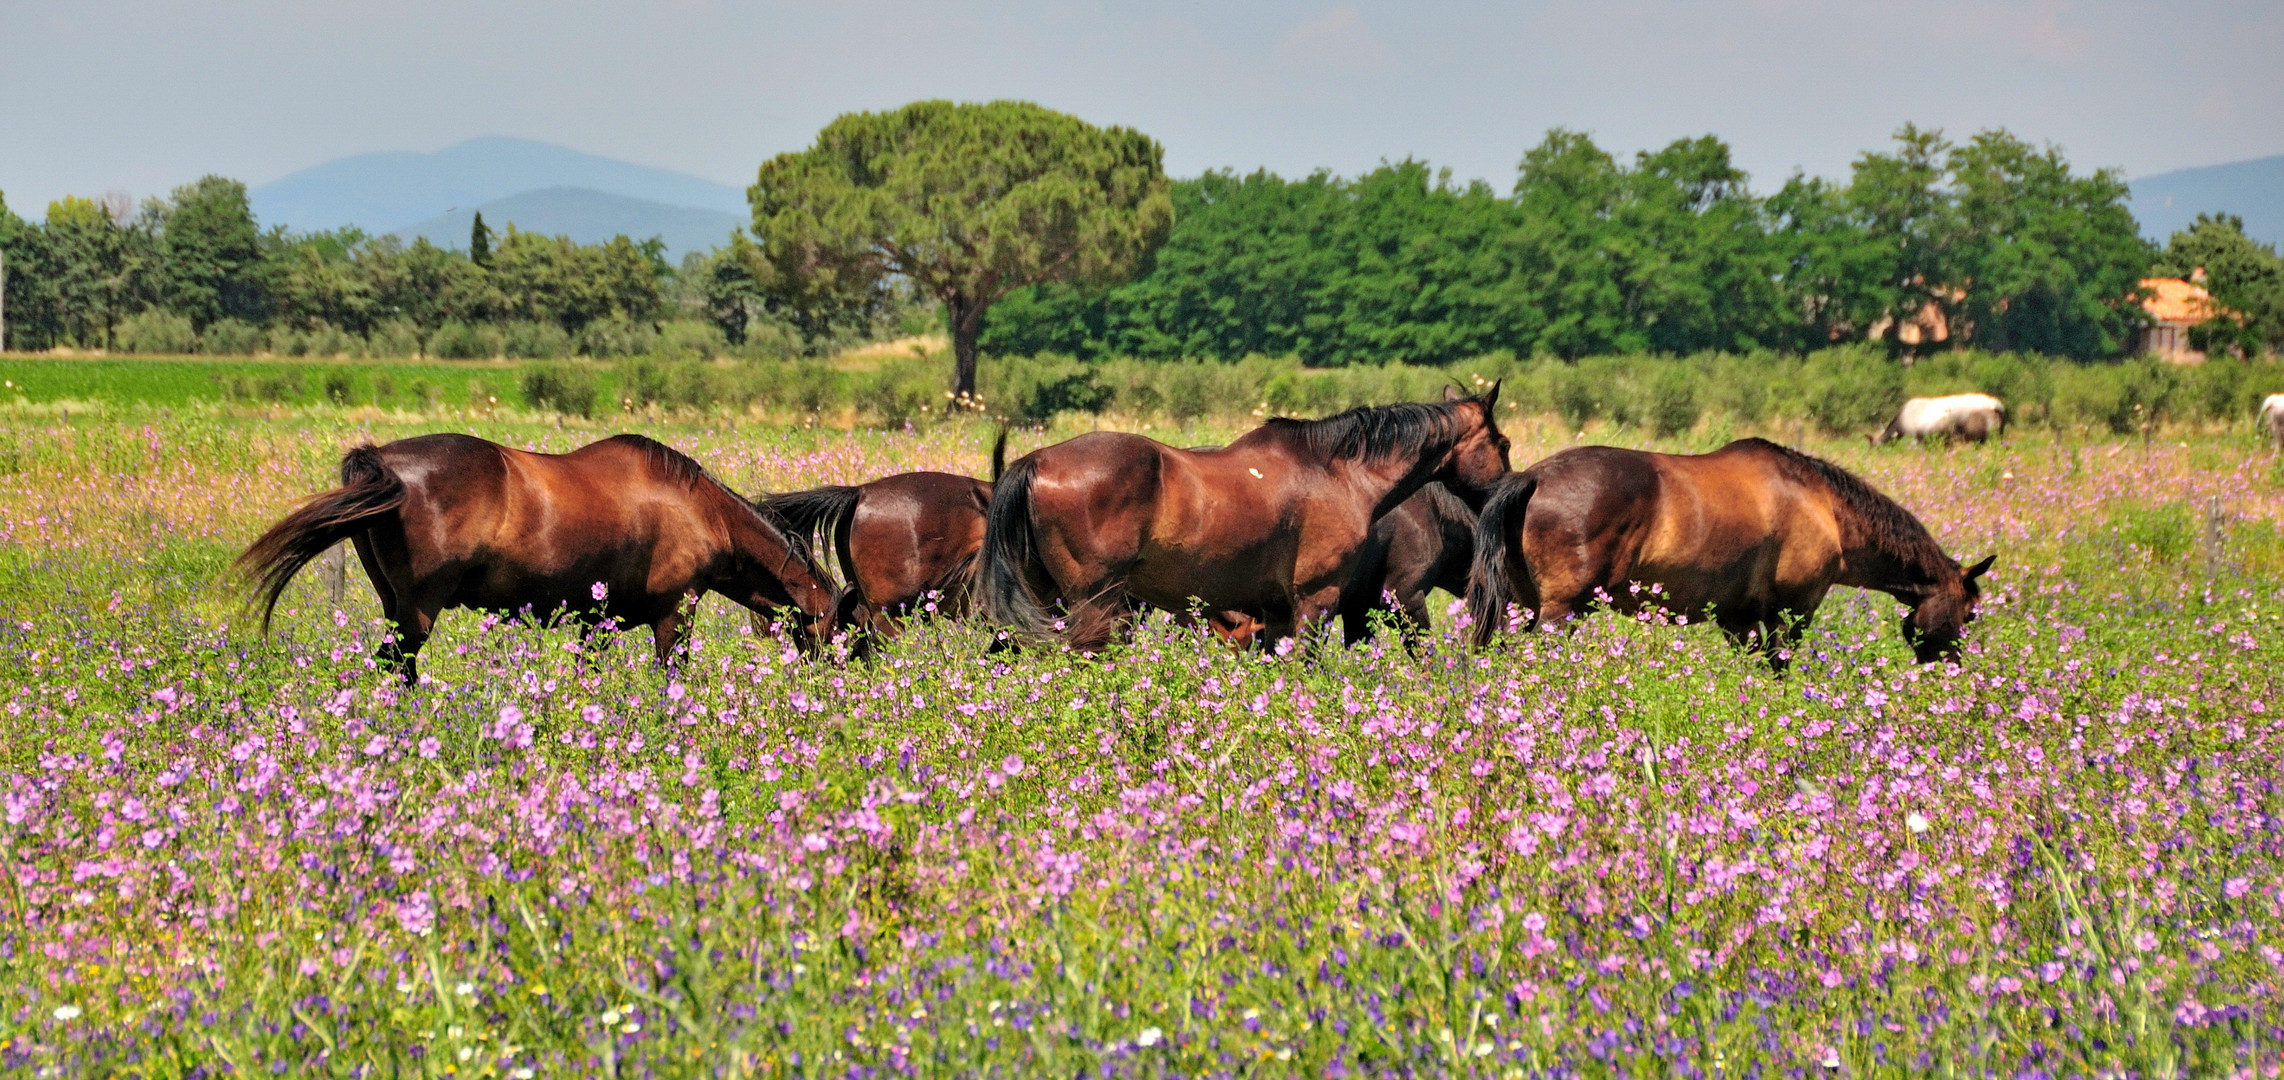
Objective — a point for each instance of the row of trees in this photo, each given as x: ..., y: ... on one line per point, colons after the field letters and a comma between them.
x: 1587, y: 254
x: 1027, y: 231
x: 199, y: 259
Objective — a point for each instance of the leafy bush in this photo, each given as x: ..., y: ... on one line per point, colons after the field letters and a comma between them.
x: 1853, y: 389
x: 568, y: 388
x: 902, y: 391
x: 688, y: 340
x: 1673, y: 406
x: 534, y: 340
x: 1036, y: 388
x: 338, y: 387
x: 394, y: 338
x: 156, y: 331
x: 232, y: 337
x: 457, y: 340
x: 617, y: 336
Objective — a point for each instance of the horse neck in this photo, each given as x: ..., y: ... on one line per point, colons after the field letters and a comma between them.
x: 753, y: 542
x: 1908, y: 577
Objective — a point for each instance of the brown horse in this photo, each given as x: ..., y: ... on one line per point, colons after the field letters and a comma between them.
x: 626, y: 529
x: 1273, y: 523
x: 1426, y: 543
x: 900, y: 538
x: 1753, y: 534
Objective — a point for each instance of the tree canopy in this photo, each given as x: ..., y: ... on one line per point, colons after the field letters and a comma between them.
x: 969, y: 202
x: 1671, y: 252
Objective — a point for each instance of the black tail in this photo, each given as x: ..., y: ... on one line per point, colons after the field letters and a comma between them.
x: 999, y: 454
x: 368, y: 491
x: 804, y: 513
x: 1008, y: 556
x: 1488, y: 593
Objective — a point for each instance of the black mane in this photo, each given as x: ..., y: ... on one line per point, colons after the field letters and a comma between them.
x: 1891, y: 529
x: 1374, y: 432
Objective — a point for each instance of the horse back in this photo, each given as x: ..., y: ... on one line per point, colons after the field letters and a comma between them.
x: 1739, y: 515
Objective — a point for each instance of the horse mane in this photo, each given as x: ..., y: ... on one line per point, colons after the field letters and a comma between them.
x: 1891, y: 530
x: 1373, y: 432
x: 675, y: 466
x: 1448, y: 505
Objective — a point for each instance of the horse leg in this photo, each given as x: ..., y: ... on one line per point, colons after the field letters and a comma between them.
x: 1309, y: 609
x: 670, y: 631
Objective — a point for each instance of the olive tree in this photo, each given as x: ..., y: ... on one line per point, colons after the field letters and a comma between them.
x: 969, y: 202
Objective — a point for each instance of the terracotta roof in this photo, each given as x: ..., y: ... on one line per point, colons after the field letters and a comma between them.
x: 2175, y: 300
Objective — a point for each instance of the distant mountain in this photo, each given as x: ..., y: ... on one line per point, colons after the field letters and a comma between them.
x: 2252, y: 190
x: 388, y: 192
x: 585, y: 215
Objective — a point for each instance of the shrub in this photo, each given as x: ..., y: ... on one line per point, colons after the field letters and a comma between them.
x: 232, y: 337
x: 393, y: 339
x: 687, y: 340
x: 534, y: 340
x: 896, y: 394
x: 568, y: 388
x: 156, y: 332
x: 457, y: 340
x: 1853, y: 388
x: 617, y: 336
x: 1672, y: 406
x: 1036, y: 388
x: 338, y: 387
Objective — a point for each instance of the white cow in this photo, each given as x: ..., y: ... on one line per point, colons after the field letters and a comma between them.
x: 2272, y: 419
x: 1973, y: 417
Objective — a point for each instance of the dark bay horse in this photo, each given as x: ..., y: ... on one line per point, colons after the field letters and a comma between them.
x: 899, y: 538
x: 1753, y: 533
x: 1425, y: 543
x: 444, y: 521
x: 1273, y: 523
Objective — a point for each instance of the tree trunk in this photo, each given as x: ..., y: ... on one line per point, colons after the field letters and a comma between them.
x: 967, y: 323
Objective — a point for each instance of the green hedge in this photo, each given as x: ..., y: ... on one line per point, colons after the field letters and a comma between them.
x: 1835, y: 390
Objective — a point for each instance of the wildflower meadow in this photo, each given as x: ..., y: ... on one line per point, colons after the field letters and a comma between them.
x: 1627, y: 849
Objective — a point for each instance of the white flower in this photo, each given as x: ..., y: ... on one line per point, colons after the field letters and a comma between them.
x: 1916, y: 822
x: 1149, y: 1037
x: 71, y: 1012
x: 464, y: 989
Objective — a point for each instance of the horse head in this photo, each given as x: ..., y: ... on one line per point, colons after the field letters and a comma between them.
x: 1479, y: 455
x: 1940, y: 617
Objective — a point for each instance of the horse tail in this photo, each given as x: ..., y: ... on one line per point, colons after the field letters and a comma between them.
x: 999, y: 454
x: 1008, y: 556
x: 368, y: 491
x: 803, y: 513
x: 1487, y: 591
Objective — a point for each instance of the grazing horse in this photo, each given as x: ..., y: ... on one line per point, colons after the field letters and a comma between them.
x: 625, y: 528
x: 1753, y: 533
x: 899, y: 538
x: 1273, y: 523
x: 2272, y: 419
x: 1970, y: 417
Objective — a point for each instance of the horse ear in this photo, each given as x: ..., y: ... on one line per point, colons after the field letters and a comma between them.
x: 1452, y: 393
x: 1491, y: 396
x: 1983, y: 567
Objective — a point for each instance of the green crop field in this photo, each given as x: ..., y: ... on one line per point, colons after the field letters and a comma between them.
x: 1625, y: 850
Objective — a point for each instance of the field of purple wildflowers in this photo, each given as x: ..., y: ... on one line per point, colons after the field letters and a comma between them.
x: 1626, y: 851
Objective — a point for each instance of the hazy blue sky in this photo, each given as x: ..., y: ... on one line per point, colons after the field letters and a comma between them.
x: 139, y: 95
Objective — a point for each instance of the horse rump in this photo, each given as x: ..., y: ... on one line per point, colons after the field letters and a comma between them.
x: 368, y: 492
x: 1500, y: 524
